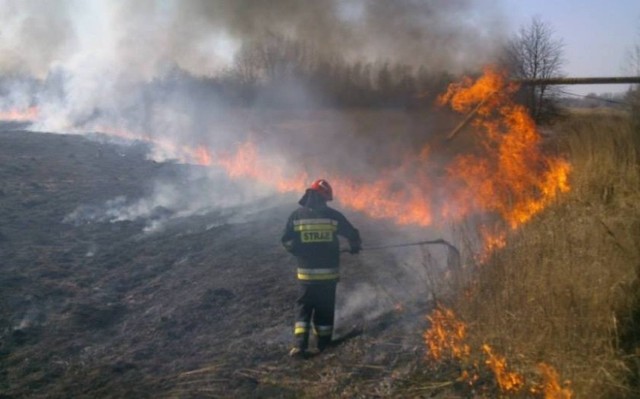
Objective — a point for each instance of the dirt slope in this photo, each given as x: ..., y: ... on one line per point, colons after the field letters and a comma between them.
x: 200, y: 308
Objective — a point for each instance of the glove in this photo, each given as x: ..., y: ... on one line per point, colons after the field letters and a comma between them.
x: 355, y: 244
x: 355, y: 249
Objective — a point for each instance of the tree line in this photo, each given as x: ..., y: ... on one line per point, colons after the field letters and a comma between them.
x: 278, y: 71
x: 282, y: 72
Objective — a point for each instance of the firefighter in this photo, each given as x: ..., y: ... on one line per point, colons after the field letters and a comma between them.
x: 311, y: 235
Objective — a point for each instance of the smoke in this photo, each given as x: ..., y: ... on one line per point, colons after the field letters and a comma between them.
x: 107, y: 48
x: 143, y: 70
x: 396, y: 282
x: 137, y: 66
x: 139, y: 40
x: 204, y: 192
x: 34, y: 36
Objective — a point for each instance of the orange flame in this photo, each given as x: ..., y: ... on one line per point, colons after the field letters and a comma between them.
x: 551, y: 388
x: 493, y: 239
x: 19, y: 115
x: 379, y: 199
x: 446, y: 339
x: 446, y: 336
x: 512, y: 178
x: 202, y: 156
x: 247, y: 163
x: 508, y: 381
x: 508, y: 176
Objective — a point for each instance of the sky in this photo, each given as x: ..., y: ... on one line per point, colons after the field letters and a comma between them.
x: 597, y: 34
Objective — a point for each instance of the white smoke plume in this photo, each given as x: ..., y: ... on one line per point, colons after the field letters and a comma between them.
x: 140, y: 39
x: 95, y: 57
x: 142, y: 67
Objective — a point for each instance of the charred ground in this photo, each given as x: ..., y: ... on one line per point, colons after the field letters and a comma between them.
x: 199, y: 308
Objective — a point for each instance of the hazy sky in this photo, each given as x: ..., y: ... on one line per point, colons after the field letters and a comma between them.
x: 597, y: 34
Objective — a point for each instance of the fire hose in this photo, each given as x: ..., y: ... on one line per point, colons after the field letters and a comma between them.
x: 450, y: 246
x: 453, y: 258
x: 414, y: 244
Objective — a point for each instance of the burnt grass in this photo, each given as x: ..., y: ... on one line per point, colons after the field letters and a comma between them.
x: 202, y: 308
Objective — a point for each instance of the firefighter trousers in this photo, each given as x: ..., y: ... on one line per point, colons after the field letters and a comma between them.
x: 315, y: 309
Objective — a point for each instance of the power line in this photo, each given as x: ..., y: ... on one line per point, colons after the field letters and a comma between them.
x: 593, y: 98
x: 579, y: 81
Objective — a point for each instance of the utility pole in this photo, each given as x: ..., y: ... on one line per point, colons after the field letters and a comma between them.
x: 579, y: 81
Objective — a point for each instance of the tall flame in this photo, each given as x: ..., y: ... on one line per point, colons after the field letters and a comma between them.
x: 512, y: 177
x: 508, y: 175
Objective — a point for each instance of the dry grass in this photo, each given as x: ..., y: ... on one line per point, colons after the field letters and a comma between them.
x: 564, y: 291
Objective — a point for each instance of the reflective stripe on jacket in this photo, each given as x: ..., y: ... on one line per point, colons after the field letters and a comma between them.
x: 315, y: 230
x: 318, y: 274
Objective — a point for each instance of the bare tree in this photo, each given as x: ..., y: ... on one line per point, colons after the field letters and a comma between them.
x: 633, y: 57
x: 274, y: 69
x: 633, y: 95
x: 534, y: 53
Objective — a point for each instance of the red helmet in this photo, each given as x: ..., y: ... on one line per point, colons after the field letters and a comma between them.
x: 324, y: 188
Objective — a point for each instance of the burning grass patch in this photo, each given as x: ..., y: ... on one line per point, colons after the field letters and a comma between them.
x: 562, y: 291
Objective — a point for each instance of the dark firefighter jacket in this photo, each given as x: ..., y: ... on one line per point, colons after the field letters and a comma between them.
x: 311, y: 235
